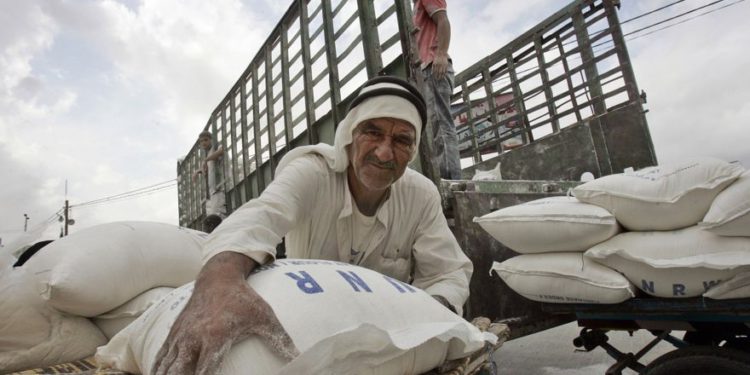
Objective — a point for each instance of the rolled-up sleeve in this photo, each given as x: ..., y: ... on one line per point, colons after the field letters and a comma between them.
x: 260, y: 224
x: 441, y: 267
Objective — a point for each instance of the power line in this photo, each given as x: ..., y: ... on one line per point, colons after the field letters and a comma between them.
x: 685, y: 20
x: 596, y: 47
x: 651, y: 12
x: 127, y: 193
x: 674, y: 17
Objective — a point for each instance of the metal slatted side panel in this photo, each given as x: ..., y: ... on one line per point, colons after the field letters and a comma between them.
x: 571, y: 67
x: 316, y: 56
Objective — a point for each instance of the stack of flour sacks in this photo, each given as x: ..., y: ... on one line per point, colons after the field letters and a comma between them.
x: 77, y: 292
x: 116, y: 289
x: 674, y: 231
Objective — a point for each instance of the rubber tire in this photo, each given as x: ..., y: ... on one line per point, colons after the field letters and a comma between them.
x: 701, y: 360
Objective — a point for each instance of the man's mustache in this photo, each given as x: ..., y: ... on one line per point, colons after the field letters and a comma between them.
x: 382, y: 164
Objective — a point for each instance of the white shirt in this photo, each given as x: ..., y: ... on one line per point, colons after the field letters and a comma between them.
x: 310, y: 204
x: 363, y: 231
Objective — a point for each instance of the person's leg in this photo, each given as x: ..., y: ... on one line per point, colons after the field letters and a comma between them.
x: 445, y: 140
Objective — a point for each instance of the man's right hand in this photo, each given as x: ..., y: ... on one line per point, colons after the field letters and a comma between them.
x: 222, y: 311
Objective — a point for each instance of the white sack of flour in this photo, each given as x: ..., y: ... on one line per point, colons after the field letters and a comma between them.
x: 665, y: 197
x: 343, y: 319
x: 98, y: 269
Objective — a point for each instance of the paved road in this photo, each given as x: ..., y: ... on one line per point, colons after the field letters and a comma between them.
x: 552, y: 352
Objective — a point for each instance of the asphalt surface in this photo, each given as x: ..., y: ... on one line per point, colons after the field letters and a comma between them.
x: 552, y: 352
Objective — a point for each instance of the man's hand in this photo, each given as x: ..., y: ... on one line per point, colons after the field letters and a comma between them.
x: 440, y: 61
x: 440, y: 65
x: 222, y: 311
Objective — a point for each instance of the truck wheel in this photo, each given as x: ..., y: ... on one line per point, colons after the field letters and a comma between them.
x: 701, y: 360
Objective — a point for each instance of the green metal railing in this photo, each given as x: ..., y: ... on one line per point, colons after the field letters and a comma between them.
x: 572, y: 66
x: 294, y: 91
x: 568, y: 69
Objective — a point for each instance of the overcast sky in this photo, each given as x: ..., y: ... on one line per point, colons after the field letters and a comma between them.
x: 109, y: 94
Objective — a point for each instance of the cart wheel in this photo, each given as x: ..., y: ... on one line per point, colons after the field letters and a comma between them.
x: 701, y: 360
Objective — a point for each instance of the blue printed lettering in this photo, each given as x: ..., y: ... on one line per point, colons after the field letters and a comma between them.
x: 678, y: 290
x: 355, y: 281
x: 305, y: 282
x: 401, y: 287
x: 648, y: 286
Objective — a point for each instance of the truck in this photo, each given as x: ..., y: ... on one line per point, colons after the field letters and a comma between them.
x: 558, y: 101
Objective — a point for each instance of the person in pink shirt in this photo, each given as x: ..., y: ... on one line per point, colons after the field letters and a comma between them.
x: 433, y: 38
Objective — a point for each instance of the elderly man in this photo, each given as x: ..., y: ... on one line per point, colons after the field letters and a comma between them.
x: 355, y: 202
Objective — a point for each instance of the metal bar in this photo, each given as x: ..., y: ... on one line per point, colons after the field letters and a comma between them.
x: 297, y: 98
x: 587, y: 54
x: 353, y: 73
x: 294, y: 58
x: 569, y: 80
x: 245, y: 145
x: 297, y: 76
x: 293, y: 38
x: 314, y: 12
x: 580, y: 86
x: 221, y: 176
x: 547, y: 87
x: 348, y: 49
x: 317, y: 32
x: 285, y: 86
x: 337, y: 9
x: 395, y: 38
x: 627, y: 68
x: 408, y: 42
x: 256, y: 127
x: 333, y: 69
x: 317, y: 54
x: 490, y: 98
x: 304, y: 22
x: 271, y: 126
x: 370, y: 40
x: 349, y: 21
x: 234, y: 164
x: 384, y: 16
x: 298, y: 119
x: 322, y: 99
x: 517, y: 98
x: 551, y: 21
x: 470, y: 121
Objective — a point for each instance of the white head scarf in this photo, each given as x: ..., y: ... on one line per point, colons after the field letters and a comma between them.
x: 378, y: 106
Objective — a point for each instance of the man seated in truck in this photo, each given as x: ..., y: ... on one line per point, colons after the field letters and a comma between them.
x: 354, y: 202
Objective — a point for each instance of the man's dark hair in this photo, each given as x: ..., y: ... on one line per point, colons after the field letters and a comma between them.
x: 204, y: 133
x: 211, y: 222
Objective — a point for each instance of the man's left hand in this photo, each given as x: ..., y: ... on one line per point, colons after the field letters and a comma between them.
x: 440, y: 65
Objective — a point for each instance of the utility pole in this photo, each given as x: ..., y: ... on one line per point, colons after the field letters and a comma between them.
x: 25, y: 221
x: 65, y: 232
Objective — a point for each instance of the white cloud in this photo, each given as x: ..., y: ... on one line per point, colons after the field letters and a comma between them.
x: 20, y: 42
x: 695, y: 77
x: 108, y: 95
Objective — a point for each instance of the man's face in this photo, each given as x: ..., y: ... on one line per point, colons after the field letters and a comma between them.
x: 380, y: 150
x: 204, y: 142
